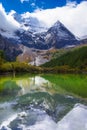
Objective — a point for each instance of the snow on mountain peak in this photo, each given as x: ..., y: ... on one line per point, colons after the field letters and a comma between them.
x: 29, y: 23
x: 59, y: 30
x: 58, y: 24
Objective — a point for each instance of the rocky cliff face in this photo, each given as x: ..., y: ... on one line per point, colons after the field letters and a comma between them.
x: 10, y: 49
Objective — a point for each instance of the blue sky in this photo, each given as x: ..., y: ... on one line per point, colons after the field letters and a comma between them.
x: 21, y: 6
x: 72, y: 15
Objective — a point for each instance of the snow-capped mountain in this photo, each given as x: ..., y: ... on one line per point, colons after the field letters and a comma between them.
x: 61, y: 31
x: 20, y: 23
x: 57, y: 36
x: 29, y: 23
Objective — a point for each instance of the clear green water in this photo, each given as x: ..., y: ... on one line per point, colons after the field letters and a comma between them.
x: 75, y: 84
x: 28, y: 99
x: 63, y: 84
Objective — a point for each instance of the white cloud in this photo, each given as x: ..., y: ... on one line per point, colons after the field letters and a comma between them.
x: 24, y: 0
x: 7, y: 22
x: 33, y: 4
x: 73, y: 16
x: 26, y: 15
x: 12, y: 12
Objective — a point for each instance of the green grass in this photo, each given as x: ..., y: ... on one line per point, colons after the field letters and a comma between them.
x: 74, y: 59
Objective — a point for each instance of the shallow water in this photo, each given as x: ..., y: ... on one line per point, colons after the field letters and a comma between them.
x: 43, y: 102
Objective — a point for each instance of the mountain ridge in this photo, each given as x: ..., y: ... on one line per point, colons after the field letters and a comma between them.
x: 57, y: 36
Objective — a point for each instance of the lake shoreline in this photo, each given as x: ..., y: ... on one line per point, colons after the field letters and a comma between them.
x: 34, y: 72
x: 16, y: 67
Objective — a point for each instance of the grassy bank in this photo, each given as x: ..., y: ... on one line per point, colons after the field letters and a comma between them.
x: 16, y: 67
x: 75, y: 59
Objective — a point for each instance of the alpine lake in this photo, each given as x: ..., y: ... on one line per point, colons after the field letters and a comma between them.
x: 43, y: 102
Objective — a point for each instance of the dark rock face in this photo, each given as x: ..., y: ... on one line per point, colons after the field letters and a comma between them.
x: 10, y: 49
x: 83, y: 41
